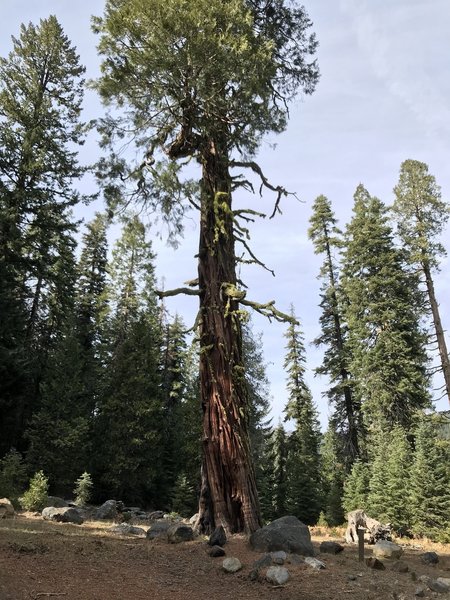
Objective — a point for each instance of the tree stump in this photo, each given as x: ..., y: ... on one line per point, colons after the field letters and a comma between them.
x: 374, y: 530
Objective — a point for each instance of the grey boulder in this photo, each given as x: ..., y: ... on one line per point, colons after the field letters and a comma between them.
x: 287, y: 533
x: 179, y: 533
x: 62, y: 515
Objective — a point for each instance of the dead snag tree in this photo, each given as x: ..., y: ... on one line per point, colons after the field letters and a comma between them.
x: 204, y: 80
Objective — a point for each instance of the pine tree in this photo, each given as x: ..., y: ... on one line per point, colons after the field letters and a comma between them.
x: 430, y: 481
x: 379, y: 476
x: 398, y: 466
x: 279, y: 475
x: 174, y: 378
x: 422, y: 216
x: 356, y: 487
x: 259, y: 405
x: 41, y: 91
x: 303, y: 463
x: 208, y: 93
x: 382, y: 310
x: 333, y: 476
x: 128, y: 422
x: 327, y: 240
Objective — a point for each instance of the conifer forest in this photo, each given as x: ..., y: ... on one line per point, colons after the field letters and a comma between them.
x: 100, y: 382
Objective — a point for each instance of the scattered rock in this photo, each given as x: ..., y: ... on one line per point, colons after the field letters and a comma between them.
x: 62, y: 515
x: 295, y: 559
x: 127, y: 529
x: 438, y: 586
x: 287, y: 533
x: 231, y: 565
x: 277, y: 575
x: 218, y: 537
x: 55, y: 501
x: 254, y: 575
x: 279, y: 557
x: 156, y: 515
x: 107, y: 511
x: 158, y: 529
x: 374, y: 563
x: 264, y: 561
x: 429, y: 558
x: 352, y: 577
x: 400, y: 567
x: 216, y: 551
x: 385, y: 549
x: 444, y: 580
x: 179, y: 532
x: 6, y: 508
x: 331, y: 547
x: 419, y: 591
x: 314, y: 563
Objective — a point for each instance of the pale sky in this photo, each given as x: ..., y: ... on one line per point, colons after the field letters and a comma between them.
x: 383, y: 97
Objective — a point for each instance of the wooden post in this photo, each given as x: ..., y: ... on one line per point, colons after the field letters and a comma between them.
x: 361, y: 532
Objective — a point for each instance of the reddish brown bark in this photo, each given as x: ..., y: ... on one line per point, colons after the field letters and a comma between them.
x: 228, y: 495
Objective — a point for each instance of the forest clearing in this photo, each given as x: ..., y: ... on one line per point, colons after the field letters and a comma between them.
x: 39, y: 559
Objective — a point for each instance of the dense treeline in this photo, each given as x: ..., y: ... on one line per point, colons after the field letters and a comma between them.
x: 96, y: 377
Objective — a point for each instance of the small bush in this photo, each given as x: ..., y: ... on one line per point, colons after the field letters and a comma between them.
x: 83, y: 489
x: 13, y: 476
x: 36, y: 495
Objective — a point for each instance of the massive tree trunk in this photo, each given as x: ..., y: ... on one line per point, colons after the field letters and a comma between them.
x: 228, y: 495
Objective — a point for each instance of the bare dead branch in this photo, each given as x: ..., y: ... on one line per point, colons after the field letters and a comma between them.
x: 176, y: 292
x: 270, y: 311
x: 280, y: 190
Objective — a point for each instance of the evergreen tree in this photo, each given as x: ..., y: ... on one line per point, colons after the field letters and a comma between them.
x: 128, y: 422
x: 398, y: 465
x: 356, y: 487
x: 382, y: 310
x: 259, y: 404
x: 174, y: 393
x: 430, y: 480
x: 422, y: 216
x: 208, y: 93
x: 333, y: 476
x: 59, y: 433
x: 379, y: 476
x: 279, y: 475
x: 303, y: 463
x: 327, y: 239
x: 41, y: 90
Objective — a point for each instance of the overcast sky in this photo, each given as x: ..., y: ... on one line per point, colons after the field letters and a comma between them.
x: 383, y: 97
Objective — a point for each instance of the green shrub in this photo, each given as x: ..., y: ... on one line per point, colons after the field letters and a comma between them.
x: 36, y: 495
x: 13, y: 476
x: 83, y: 489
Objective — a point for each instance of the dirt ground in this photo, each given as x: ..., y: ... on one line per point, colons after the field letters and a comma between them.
x: 39, y: 560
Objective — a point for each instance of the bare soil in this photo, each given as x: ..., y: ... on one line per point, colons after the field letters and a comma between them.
x: 39, y: 559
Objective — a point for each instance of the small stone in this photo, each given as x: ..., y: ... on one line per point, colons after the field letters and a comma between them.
x: 314, y: 563
x: 400, y: 567
x: 254, y: 575
x: 331, y: 548
x: 264, y: 561
x: 419, y: 591
x: 158, y: 529
x: 295, y: 559
x: 352, y: 577
x: 437, y: 586
x: 216, y: 551
x: 374, y: 563
x: 425, y: 579
x: 277, y: 575
x: 218, y: 537
x: 444, y: 580
x: 278, y: 558
x: 429, y: 558
x: 232, y: 565
x: 6, y: 508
